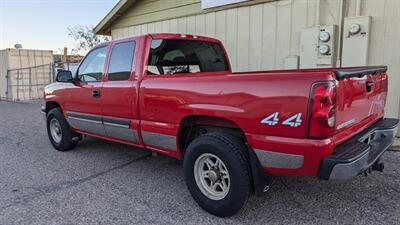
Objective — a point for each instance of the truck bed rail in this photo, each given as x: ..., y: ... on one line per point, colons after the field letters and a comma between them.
x: 359, y: 72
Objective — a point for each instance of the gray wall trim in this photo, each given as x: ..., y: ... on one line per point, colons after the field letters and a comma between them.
x: 279, y: 160
x: 159, y: 140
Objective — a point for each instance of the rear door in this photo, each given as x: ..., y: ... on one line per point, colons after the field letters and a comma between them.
x: 119, y: 93
x: 83, y: 100
x: 163, y: 97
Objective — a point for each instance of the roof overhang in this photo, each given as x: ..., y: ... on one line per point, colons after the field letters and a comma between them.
x: 104, y: 27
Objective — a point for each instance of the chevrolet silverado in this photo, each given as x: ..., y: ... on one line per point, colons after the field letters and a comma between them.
x: 177, y: 95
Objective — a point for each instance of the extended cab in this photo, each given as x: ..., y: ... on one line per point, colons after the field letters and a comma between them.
x: 176, y: 95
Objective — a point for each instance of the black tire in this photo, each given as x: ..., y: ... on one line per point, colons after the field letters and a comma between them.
x: 66, y: 142
x: 232, y: 152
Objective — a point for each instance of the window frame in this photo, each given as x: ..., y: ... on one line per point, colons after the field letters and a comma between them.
x: 133, y: 66
x: 83, y: 60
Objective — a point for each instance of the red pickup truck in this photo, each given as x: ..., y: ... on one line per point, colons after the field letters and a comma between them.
x: 176, y: 95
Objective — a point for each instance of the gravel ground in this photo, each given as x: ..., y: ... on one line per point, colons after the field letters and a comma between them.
x: 396, y: 144
x: 106, y: 183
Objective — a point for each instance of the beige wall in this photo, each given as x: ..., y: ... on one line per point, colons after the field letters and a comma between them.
x: 145, y: 11
x: 260, y: 37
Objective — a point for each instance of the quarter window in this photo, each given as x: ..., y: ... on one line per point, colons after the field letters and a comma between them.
x: 121, y: 61
x: 91, y: 69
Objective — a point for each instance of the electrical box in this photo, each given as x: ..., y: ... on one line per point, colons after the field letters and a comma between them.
x: 327, y: 46
x: 318, y: 47
x: 308, y: 47
x: 356, y: 32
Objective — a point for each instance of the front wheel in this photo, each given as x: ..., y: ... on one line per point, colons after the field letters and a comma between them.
x: 59, y: 132
x: 217, y: 173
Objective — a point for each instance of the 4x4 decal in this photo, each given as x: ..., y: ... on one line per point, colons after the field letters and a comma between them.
x: 294, y: 121
x: 273, y: 120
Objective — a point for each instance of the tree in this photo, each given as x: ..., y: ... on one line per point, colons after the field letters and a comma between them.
x: 85, y: 37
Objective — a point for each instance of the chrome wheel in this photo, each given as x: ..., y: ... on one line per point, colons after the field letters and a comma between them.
x: 212, y: 176
x: 55, y: 131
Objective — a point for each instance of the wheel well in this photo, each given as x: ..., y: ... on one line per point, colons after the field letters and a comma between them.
x: 194, y: 126
x: 51, y: 105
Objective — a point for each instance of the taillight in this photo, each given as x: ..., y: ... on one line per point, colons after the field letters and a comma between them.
x: 322, y: 119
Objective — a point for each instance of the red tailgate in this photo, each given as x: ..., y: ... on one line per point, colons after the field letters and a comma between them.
x: 361, y: 97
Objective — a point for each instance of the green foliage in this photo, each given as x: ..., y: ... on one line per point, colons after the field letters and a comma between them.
x: 85, y: 37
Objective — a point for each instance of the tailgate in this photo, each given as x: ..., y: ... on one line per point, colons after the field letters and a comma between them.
x: 361, y: 96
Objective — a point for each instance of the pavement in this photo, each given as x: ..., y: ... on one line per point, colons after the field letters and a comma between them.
x: 101, y: 182
x: 397, y: 143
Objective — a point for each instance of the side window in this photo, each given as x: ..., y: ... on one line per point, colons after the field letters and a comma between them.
x: 91, y: 69
x: 185, y: 56
x: 121, y: 61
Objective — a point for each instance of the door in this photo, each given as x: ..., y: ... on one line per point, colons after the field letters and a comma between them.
x: 166, y: 90
x: 119, y: 93
x: 83, y: 101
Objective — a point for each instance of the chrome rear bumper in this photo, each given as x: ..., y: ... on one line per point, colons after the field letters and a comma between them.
x: 361, y: 152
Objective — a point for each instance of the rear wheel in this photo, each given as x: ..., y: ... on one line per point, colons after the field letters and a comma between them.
x: 217, y: 173
x: 59, y: 132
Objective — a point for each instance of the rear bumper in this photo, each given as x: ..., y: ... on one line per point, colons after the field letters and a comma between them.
x: 360, y: 152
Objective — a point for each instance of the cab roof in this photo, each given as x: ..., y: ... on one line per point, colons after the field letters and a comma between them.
x: 168, y: 36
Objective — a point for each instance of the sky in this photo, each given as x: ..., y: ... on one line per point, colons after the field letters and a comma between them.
x: 42, y: 24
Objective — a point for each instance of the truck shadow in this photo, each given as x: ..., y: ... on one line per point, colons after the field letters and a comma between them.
x: 290, y: 200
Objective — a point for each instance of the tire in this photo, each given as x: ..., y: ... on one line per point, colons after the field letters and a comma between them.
x: 62, y: 142
x: 232, y: 152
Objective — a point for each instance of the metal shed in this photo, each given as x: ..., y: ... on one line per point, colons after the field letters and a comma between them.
x: 24, y: 73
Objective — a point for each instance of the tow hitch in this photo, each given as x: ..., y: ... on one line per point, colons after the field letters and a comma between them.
x: 377, y: 166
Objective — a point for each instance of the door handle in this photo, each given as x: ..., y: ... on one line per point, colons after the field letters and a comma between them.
x: 369, y: 85
x: 96, y: 94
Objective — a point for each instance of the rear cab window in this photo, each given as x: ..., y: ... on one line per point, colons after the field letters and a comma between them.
x: 169, y: 56
x: 121, y: 61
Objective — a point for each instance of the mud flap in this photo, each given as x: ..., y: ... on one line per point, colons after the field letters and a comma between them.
x: 261, y: 181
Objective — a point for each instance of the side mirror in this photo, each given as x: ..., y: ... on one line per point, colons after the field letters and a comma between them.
x: 64, y: 76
